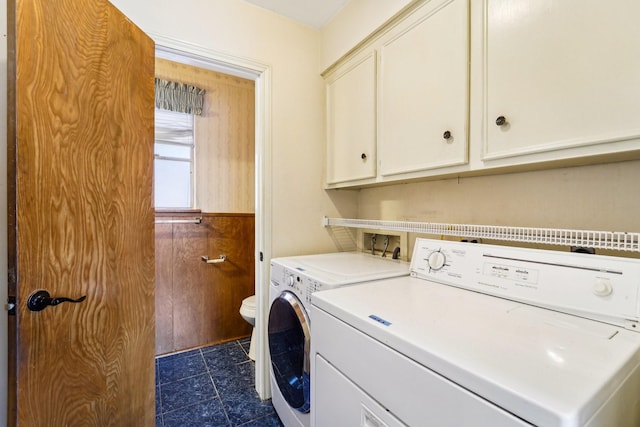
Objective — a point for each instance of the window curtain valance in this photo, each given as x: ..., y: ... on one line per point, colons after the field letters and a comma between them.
x: 179, y: 97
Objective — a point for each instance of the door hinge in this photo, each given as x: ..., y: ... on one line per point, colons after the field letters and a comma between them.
x: 261, y: 256
x: 10, y: 306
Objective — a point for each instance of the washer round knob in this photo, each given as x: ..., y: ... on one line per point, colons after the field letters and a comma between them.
x: 436, y: 260
x: 291, y: 281
x: 602, y: 288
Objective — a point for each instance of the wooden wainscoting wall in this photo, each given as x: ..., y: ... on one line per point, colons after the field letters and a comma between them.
x: 198, y: 303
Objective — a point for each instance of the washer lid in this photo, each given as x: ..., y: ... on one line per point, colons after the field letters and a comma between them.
x: 343, y: 268
x: 548, y: 368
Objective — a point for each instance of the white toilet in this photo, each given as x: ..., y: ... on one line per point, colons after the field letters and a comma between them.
x: 248, y: 313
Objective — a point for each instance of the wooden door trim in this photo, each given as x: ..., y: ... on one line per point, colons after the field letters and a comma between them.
x: 12, y: 408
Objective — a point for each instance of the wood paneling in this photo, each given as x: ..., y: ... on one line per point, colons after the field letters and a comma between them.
x: 199, y: 304
x: 164, y: 288
x: 224, y: 134
x: 194, y: 307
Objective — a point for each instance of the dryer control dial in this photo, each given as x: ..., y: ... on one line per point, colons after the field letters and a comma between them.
x: 602, y: 288
x: 436, y: 260
x: 291, y: 280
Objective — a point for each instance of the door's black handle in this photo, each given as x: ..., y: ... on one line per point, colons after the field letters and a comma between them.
x: 39, y: 300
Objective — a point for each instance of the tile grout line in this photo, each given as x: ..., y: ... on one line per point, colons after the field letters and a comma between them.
x: 186, y: 378
x: 215, y: 388
x: 158, y: 391
x: 217, y: 395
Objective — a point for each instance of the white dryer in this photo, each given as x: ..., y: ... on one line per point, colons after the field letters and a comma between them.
x: 293, y: 280
x: 482, y: 335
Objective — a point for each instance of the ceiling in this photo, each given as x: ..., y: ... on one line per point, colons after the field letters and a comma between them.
x: 313, y: 13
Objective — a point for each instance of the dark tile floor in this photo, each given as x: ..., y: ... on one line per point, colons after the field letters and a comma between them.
x: 210, y: 387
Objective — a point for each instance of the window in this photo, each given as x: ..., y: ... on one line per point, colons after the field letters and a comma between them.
x: 174, y: 160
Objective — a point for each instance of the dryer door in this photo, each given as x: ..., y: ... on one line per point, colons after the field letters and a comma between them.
x: 289, y: 345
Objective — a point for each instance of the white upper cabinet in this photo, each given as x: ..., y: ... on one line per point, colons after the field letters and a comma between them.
x: 423, y: 90
x: 560, y: 75
x: 351, y: 120
x: 454, y: 87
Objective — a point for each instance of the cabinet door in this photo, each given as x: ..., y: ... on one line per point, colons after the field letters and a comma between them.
x: 563, y: 74
x: 424, y: 90
x: 351, y: 120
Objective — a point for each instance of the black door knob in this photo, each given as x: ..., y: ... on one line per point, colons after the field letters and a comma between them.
x: 363, y: 156
x: 446, y: 135
x: 501, y: 121
x: 39, y: 300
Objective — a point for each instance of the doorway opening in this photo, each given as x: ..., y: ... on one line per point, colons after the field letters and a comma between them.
x: 197, y: 56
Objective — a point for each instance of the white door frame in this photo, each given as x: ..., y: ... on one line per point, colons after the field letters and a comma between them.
x: 202, y: 57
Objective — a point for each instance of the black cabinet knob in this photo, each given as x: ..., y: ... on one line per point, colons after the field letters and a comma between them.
x: 501, y: 121
x: 363, y: 156
x: 446, y: 135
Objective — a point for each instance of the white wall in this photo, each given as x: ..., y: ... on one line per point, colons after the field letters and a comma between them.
x: 352, y: 24
x: 297, y: 106
x: 599, y: 197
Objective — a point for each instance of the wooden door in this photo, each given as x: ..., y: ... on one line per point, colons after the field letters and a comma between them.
x: 81, y: 215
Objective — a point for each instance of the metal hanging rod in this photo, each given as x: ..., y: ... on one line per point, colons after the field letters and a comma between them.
x: 619, y: 241
x: 179, y: 221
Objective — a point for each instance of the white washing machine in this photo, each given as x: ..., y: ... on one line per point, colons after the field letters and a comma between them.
x: 482, y: 335
x: 293, y: 280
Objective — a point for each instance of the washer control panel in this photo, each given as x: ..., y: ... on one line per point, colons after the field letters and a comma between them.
x: 294, y: 281
x: 596, y: 286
